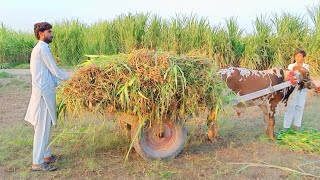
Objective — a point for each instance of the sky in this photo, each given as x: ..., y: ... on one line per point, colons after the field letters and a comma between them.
x: 20, y: 15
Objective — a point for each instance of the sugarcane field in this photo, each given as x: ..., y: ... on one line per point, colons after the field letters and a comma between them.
x: 160, y: 90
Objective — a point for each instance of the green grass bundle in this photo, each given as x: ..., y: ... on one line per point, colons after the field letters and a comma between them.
x: 145, y: 83
x: 306, y: 140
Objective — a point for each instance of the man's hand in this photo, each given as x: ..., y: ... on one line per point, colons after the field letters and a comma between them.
x: 317, y: 89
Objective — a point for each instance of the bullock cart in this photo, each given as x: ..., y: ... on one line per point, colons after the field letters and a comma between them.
x: 152, y: 94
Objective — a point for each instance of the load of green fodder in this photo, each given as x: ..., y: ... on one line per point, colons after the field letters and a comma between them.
x: 145, y: 83
x: 306, y: 140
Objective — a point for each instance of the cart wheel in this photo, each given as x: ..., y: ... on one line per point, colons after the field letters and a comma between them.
x: 160, y: 141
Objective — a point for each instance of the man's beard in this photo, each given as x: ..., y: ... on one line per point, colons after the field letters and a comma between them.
x: 48, y: 40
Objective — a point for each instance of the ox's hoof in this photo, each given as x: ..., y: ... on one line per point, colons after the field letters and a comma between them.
x: 211, y: 136
x: 272, y: 138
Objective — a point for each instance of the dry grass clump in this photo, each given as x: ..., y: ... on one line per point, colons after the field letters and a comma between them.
x: 154, y: 85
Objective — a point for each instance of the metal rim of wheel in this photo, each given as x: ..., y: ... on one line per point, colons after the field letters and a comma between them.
x: 160, y: 141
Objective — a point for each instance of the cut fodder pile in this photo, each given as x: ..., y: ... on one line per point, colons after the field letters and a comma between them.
x: 306, y: 140
x: 145, y: 83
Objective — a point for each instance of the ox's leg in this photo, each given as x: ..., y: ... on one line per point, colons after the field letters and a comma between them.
x: 272, y: 112
x: 271, y: 126
x: 265, y: 111
x: 272, y: 120
x: 211, y: 123
x: 268, y: 110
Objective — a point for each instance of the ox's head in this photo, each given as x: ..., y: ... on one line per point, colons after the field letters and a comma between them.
x: 303, y: 77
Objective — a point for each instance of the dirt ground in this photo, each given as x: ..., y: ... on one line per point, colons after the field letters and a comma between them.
x: 240, y: 141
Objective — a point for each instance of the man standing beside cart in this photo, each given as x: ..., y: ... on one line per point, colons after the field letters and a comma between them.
x: 41, y: 111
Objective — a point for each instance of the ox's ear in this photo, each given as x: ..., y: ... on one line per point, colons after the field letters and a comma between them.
x: 302, y: 70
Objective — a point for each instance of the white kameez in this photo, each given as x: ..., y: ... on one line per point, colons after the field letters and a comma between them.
x: 41, y: 111
x: 45, y: 77
x: 296, y: 107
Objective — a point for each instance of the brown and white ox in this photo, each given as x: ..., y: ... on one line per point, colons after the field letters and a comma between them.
x: 244, y: 81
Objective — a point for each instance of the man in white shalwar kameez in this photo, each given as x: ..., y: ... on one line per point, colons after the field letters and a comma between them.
x: 296, y: 107
x: 41, y: 111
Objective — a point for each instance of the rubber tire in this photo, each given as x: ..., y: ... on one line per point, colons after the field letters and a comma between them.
x: 146, y: 151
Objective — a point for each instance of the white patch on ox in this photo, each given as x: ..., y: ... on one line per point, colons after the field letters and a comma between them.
x: 247, y: 72
x: 278, y: 73
x: 228, y: 71
x: 244, y: 72
x: 268, y: 71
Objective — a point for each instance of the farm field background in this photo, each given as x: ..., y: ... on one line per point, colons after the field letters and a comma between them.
x: 271, y: 44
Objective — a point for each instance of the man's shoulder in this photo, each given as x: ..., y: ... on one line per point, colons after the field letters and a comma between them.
x: 39, y: 46
x: 36, y: 48
x: 291, y: 65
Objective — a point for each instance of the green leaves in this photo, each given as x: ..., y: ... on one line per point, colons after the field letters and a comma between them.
x: 123, y: 93
x: 307, y: 140
x: 61, y: 107
x: 270, y: 45
x: 15, y: 47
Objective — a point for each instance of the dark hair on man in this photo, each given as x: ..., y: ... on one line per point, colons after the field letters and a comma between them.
x: 41, y: 27
x: 300, y: 51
